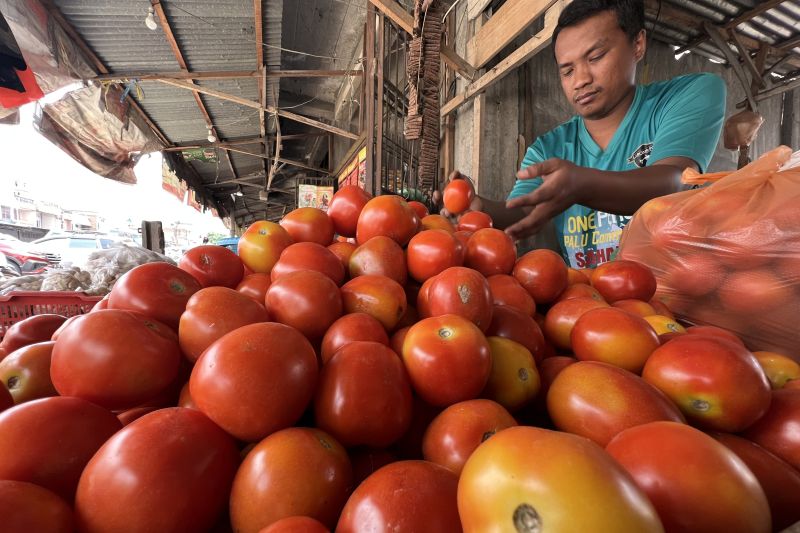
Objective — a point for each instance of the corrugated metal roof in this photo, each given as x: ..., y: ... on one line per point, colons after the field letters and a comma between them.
x: 775, y: 26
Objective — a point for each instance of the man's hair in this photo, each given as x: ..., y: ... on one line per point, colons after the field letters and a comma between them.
x: 630, y: 14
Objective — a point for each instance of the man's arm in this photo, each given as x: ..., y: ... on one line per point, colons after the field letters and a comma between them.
x: 565, y: 184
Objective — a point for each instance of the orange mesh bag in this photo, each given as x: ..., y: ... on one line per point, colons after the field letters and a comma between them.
x: 729, y: 254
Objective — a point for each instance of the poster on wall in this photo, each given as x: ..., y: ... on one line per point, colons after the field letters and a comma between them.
x: 355, y: 172
x: 171, y: 183
x: 318, y: 196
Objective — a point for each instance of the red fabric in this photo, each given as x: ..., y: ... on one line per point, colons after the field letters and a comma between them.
x: 11, y: 99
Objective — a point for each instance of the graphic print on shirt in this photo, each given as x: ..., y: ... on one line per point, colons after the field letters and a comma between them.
x: 641, y: 155
x: 591, y: 238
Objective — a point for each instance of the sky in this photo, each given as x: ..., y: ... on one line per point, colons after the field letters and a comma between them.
x: 54, y: 176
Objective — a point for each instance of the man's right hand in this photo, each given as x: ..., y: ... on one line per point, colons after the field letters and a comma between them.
x: 476, y: 205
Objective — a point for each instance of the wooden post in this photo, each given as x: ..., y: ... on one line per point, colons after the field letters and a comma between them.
x: 369, y: 99
x: 380, y: 56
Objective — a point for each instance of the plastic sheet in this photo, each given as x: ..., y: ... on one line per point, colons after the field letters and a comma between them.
x: 729, y: 254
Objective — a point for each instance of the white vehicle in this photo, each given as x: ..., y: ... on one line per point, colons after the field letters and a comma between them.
x: 75, y: 249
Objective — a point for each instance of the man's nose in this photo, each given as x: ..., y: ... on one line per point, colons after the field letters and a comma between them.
x: 582, y: 77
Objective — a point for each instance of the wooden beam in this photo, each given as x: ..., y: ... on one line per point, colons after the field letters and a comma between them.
x: 298, y: 164
x: 476, y: 7
x: 503, y: 27
x: 99, y: 66
x: 769, y: 93
x: 373, y: 181
x: 403, y: 18
x: 744, y: 53
x: 788, y: 44
x: 456, y: 62
x: 516, y: 58
x: 222, y: 74
x: 478, y: 119
x: 716, y: 36
x: 744, y: 17
x: 258, y: 28
x: 269, y: 109
x: 313, y: 73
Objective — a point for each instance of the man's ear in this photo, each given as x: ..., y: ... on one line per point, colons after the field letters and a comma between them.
x: 640, y: 45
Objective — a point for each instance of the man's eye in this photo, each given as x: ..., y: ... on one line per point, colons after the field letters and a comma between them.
x: 566, y: 73
x: 597, y: 58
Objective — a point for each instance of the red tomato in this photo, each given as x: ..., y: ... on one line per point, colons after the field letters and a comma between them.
x: 506, y: 290
x: 178, y: 467
x: 543, y: 274
x: 69, y: 321
x: 580, y: 290
x: 423, y: 308
x: 754, y: 291
x: 457, y: 196
x: 696, y: 274
x: 714, y: 331
x: 345, y: 207
x: 404, y: 497
x: 389, y: 216
x: 351, y: 328
x: 464, y: 292
x: 306, y: 300
x: 490, y: 251
x: 26, y: 507
x: 636, y: 307
x: 561, y: 318
x: 716, y: 383
x: 460, y: 429
x: 308, y: 224
x: 131, y: 415
x: 157, y: 290
x: 116, y: 359
x: 409, y: 318
x: 515, y: 325
x: 577, y: 277
x: 419, y: 208
x: 693, y: 481
x: 514, y: 381
x: 792, y: 384
x: 550, y: 368
x: 517, y: 481
x: 261, y: 245
x: 624, y: 280
x: 781, y: 482
x: 398, y: 337
x: 185, y: 399
x: 364, y: 397
x: 777, y: 429
x: 447, y: 358
x: 26, y: 372
x: 49, y: 441
x: 296, y: 471
x: 598, y: 401
x: 661, y: 308
x: 431, y: 222
x: 99, y: 306
x: 613, y: 336
x: 37, y: 328
x: 379, y: 256
x: 378, y: 296
x: 463, y: 237
x: 778, y: 368
x: 255, y: 286
x: 213, y: 265
x: 213, y: 312
x: 410, y: 445
x: 343, y: 250
x: 308, y: 256
x: 296, y: 524
x: 255, y: 380
x: 366, y: 462
x: 430, y: 252
x: 473, y: 221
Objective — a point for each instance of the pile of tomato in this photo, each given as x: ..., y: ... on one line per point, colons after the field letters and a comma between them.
x: 377, y: 368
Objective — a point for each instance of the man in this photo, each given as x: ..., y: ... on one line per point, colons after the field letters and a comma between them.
x: 626, y: 145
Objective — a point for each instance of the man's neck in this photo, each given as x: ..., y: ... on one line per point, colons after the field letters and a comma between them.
x: 602, y: 130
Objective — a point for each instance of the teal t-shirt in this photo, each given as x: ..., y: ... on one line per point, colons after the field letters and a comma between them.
x: 681, y: 117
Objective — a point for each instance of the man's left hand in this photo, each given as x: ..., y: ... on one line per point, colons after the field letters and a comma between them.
x: 559, y: 190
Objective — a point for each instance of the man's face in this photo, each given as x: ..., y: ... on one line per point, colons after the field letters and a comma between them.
x: 597, y: 64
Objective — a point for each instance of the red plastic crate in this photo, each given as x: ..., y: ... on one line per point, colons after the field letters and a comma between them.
x: 19, y: 305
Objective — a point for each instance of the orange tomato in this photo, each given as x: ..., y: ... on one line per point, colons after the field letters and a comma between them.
x: 614, y: 336
x: 561, y: 318
x: 778, y: 368
x: 457, y: 196
x: 516, y: 481
x: 437, y: 222
x: 637, y: 307
x: 260, y: 246
x: 543, y: 274
x: 308, y: 224
x: 514, y: 381
x: 387, y: 215
x: 664, y: 324
x: 379, y: 296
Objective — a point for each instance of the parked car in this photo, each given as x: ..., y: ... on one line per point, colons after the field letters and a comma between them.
x: 26, y: 258
x: 75, y: 249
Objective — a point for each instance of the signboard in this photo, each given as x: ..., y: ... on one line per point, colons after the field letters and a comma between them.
x: 355, y: 172
x: 206, y: 155
x: 318, y: 196
x: 193, y: 200
x: 171, y: 183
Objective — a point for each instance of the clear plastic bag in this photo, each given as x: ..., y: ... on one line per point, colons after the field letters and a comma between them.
x: 729, y: 254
